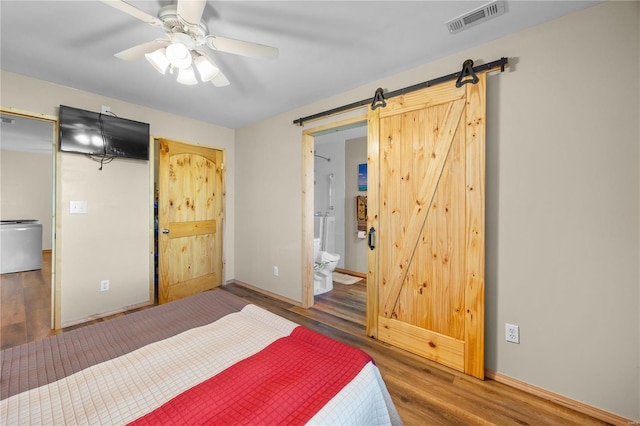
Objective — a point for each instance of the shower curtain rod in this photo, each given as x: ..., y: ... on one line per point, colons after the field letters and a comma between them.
x: 467, y: 70
x: 324, y: 158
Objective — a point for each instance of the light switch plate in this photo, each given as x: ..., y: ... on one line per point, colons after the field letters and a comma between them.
x: 77, y: 207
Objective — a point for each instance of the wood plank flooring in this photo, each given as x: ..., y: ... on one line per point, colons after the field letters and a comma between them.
x: 25, y: 305
x: 425, y: 393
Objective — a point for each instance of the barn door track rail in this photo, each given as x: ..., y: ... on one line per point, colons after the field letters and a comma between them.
x: 466, y: 75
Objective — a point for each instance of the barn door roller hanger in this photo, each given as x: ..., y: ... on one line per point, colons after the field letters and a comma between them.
x: 379, y: 98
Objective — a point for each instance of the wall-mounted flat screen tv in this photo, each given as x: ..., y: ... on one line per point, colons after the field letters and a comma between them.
x: 92, y: 133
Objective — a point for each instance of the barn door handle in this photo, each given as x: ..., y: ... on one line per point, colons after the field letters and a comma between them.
x: 371, y: 242
x: 165, y: 231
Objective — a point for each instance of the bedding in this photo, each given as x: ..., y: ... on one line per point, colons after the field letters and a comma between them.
x: 210, y: 358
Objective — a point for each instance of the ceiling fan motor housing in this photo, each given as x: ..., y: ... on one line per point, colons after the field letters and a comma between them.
x: 174, y: 26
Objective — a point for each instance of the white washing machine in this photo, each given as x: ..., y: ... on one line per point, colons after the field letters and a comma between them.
x: 20, y: 245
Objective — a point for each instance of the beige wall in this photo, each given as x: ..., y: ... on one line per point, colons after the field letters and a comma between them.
x: 110, y: 242
x: 563, y: 196
x: 26, y: 187
x: 113, y: 241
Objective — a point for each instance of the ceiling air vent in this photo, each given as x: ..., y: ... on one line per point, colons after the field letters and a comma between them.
x: 481, y: 14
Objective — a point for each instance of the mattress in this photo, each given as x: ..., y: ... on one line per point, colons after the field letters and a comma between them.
x: 209, y: 358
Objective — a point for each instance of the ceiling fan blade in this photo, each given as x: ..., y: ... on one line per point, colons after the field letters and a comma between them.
x: 133, y: 11
x: 137, y: 52
x: 191, y: 10
x: 242, y: 48
x: 220, y: 80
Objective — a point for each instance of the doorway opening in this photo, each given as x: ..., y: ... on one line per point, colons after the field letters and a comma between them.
x: 29, y: 197
x: 332, y: 248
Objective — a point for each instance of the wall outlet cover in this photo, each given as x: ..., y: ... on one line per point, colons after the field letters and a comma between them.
x: 512, y: 333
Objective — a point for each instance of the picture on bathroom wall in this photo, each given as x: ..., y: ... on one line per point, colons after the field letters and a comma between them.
x: 362, y: 177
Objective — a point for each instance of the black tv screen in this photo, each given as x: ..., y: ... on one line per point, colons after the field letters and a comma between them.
x: 92, y: 133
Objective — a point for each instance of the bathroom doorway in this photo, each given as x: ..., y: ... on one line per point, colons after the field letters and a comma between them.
x: 331, y: 172
x: 339, y: 158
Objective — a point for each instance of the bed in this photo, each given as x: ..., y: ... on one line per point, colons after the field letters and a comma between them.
x: 211, y: 358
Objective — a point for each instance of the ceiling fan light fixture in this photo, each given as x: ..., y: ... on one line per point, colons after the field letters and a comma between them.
x: 158, y: 59
x: 187, y: 76
x: 179, y: 55
x: 205, y: 68
x: 186, y: 33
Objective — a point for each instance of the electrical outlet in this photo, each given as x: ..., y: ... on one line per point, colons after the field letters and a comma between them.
x: 104, y: 285
x: 275, y: 271
x: 512, y: 333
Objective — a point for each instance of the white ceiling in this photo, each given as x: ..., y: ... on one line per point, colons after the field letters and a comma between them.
x: 326, y: 47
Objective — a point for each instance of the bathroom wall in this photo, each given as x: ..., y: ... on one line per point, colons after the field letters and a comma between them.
x: 331, y: 146
x: 355, y: 248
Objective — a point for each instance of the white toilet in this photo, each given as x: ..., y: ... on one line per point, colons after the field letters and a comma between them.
x: 324, y: 264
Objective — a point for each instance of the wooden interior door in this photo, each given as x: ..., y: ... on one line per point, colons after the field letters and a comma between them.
x: 426, y: 157
x: 190, y: 219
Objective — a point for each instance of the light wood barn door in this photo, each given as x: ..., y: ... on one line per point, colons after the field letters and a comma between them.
x: 190, y: 219
x: 426, y: 157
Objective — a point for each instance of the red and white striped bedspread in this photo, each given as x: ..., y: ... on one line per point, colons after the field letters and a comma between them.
x: 248, y: 367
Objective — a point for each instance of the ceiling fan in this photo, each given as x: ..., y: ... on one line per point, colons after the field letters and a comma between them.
x: 186, y: 37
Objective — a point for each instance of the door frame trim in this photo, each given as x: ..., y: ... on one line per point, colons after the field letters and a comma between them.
x: 308, y: 140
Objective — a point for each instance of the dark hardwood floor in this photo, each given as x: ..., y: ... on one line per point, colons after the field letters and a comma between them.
x: 425, y: 393
x: 25, y: 305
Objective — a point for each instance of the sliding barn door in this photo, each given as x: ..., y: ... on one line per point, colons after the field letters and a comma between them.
x: 426, y: 157
x: 190, y: 219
